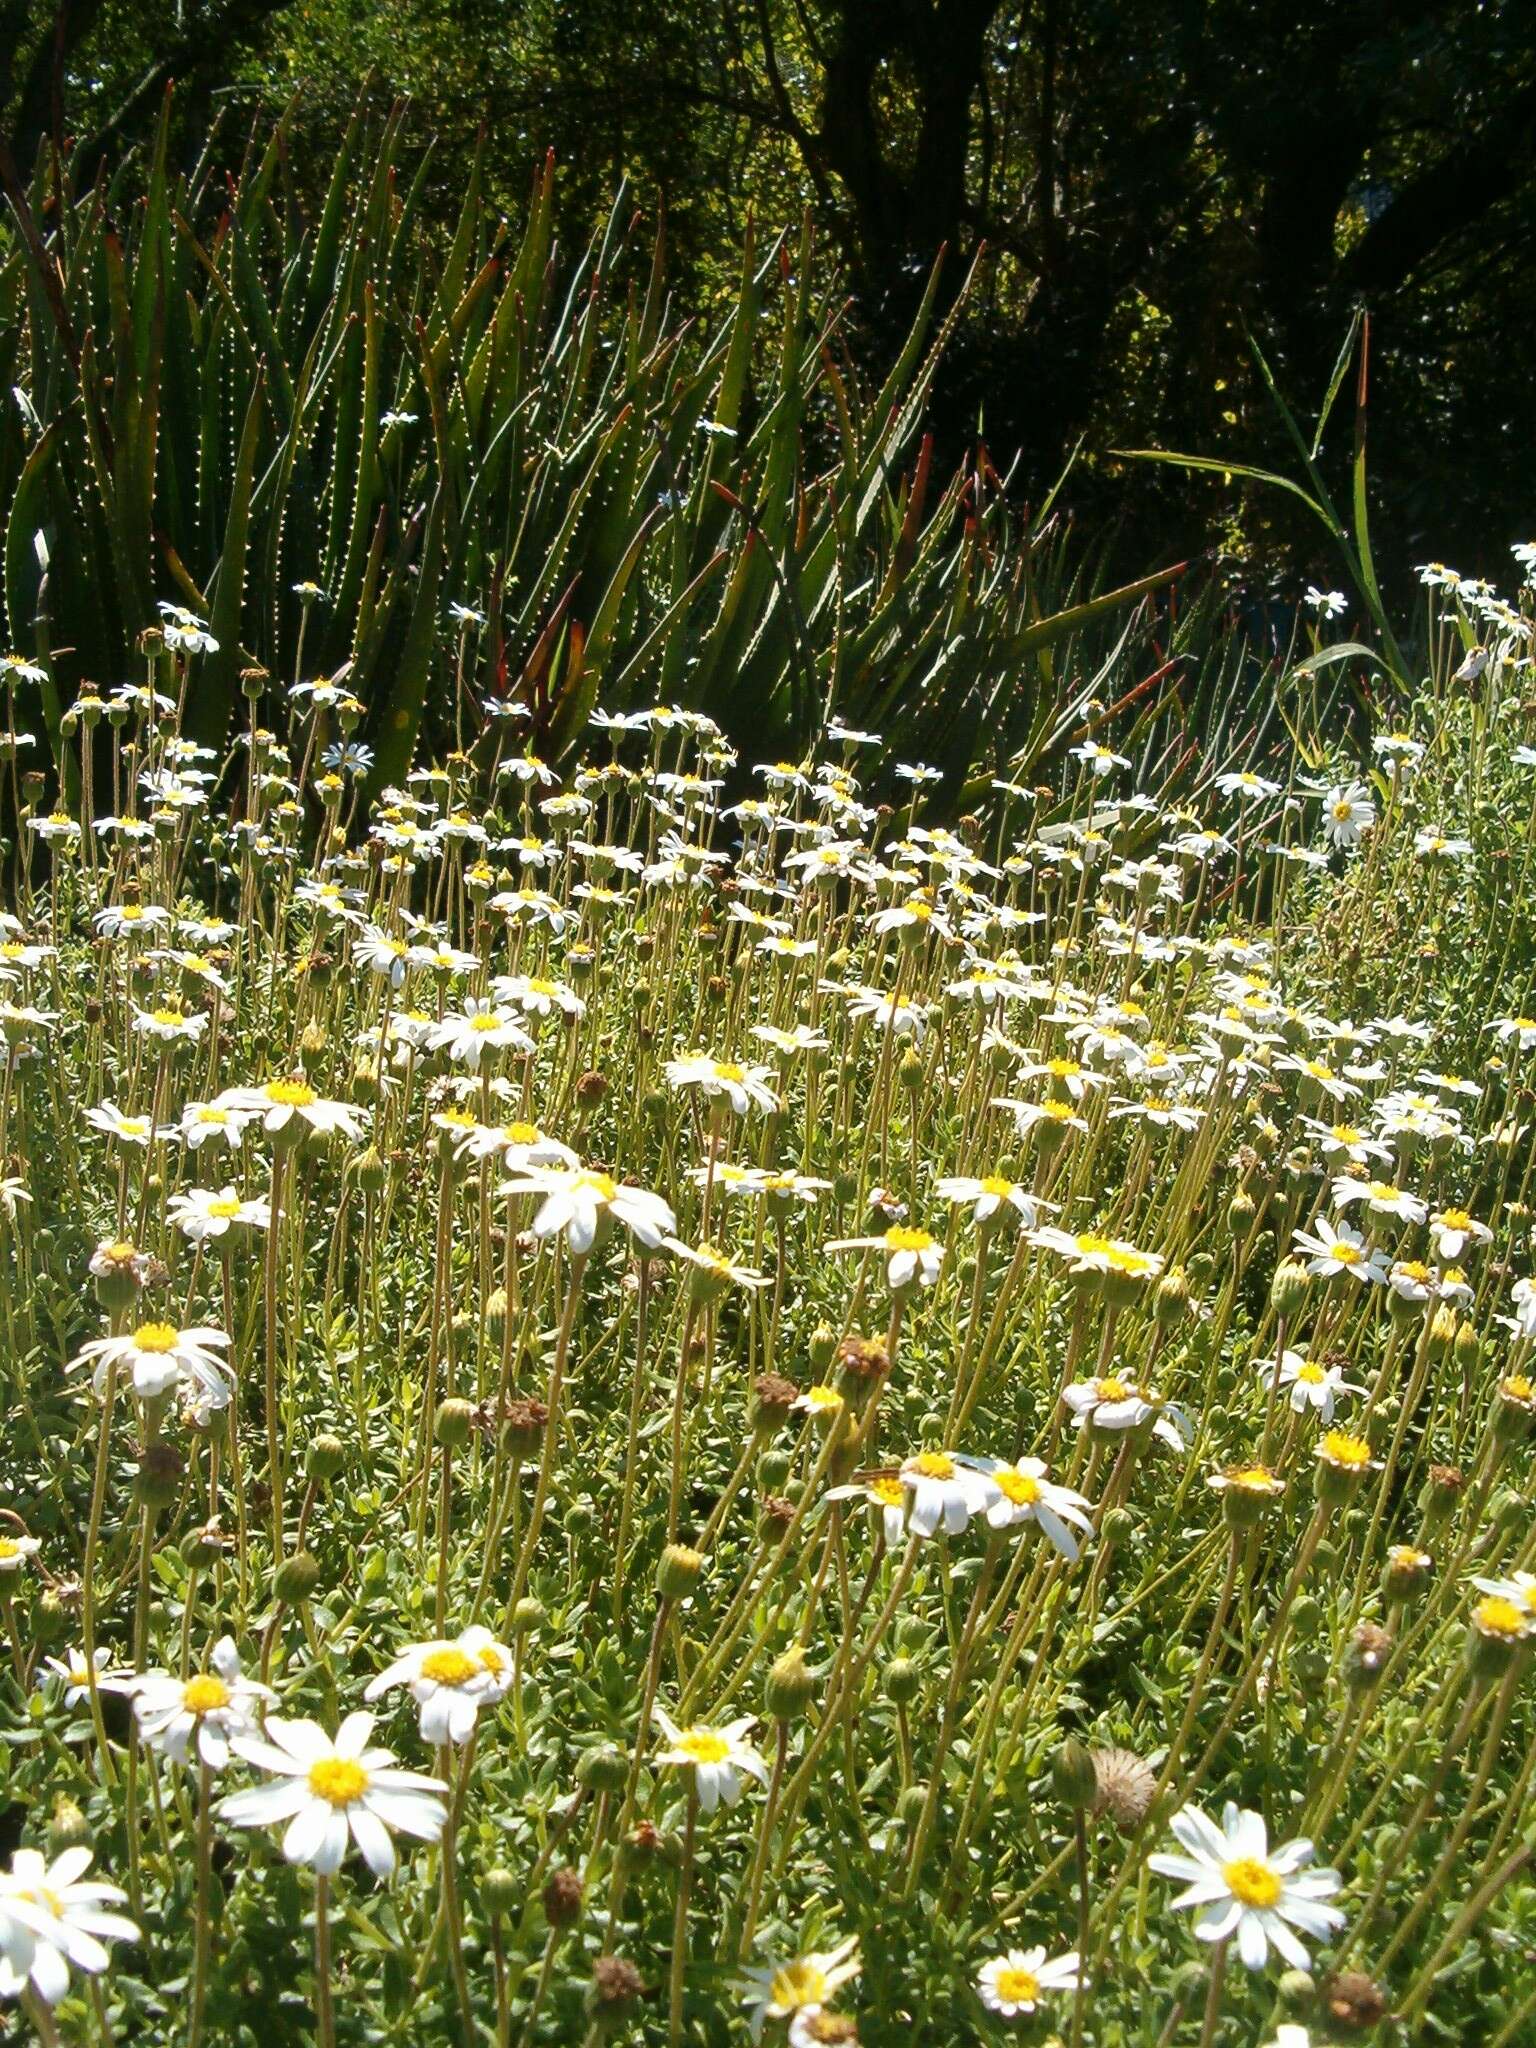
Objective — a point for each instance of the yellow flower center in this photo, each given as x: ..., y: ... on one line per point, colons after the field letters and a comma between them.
x: 338, y: 1780
x: 703, y: 1746
x: 212, y: 1116
x: 1313, y: 1373
x: 1017, y: 1987
x: 520, y: 1134
x: 1251, y: 1881
x: 1111, y: 1389
x: 1342, y: 811
x: 1252, y: 1478
x: 931, y: 1465
x: 798, y: 1983
x: 490, y: 1659
x: 290, y: 1094
x: 156, y: 1337
x: 449, y: 1667
x: 1517, y: 1388
x: 9, y: 1547
x: 1017, y: 1487
x: 1497, y: 1616
x: 603, y: 1185
x: 1347, y: 1253
x: 888, y: 1492
x: 727, y: 1070
x: 1454, y: 1219
x: 996, y: 1184
x: 225, y: 1206
x: 1340, y: 1448
x: 900, y: 1238
x: 204, y: 1694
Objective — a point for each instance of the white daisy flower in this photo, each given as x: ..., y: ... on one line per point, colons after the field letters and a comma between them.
x: 1238, y: 1887
x: 330, y: 1792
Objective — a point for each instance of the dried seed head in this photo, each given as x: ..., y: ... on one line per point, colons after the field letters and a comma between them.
x: 562, y: 1897
x: 1124, y: 1787
x: 1355, y: 2002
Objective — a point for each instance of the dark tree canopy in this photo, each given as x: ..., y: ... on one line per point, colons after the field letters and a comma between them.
x: 1132, y: 186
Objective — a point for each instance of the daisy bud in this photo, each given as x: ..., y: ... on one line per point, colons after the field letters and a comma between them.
x: 528, y: 1615
x: 1074, y: 1781
x: 68, y: 1827
x: 116, y: 1268
x: 1506, y: 1510
x: 678, y: 1572
x: 496, y: 1310
x: 363, y: 1087
x: 1442, y: 1331
x: 562, y: 1897
x: 1171, y: 1300
x: 911, y: 1070
x: 613, y: 1994
x: 252, y: 682
x: 325, y: 1457
x: 1119, y: 1525
x: 1296, y: 1989
x: 1467, y: 1347
x: 789, y: 1687
x: 580, y: 962
x: 822, y: 1347
x: 603, y: 1768
x: 296, y: 1578
x: 1241, y: 1210
x: 1306, y: 1616
x: 909, y: 1807
x: 772, y: 1471
x: 314, y: 1042
x: 453, y: 1422
x: 845, y: 1185
x: 1514, y: 1410
x: 902, y: 1681
x: 1288, y: 1289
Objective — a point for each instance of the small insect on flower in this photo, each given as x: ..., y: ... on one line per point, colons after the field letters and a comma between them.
x: 718, y: 1757
x: 49, y: 1920
x: 206, y: 1710
x: 1015, y: 1984
x: 777, y: 1991
x: 332, y: 1791
x: 1237, y: 1886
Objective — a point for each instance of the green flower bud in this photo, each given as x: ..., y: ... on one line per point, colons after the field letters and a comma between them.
x: 789, y: 1688
x: 1288, y: 1289
x: 1073, y: 1779
x: 603, y: 1768
x: 502, y: 1889
x: 453, y: 1422
x: 678, y: 1572
x: 68, y: 1827
x: 296, y: 1577
x: 528, y: 1615
x: 902, y: 1681
x: 325, y: 1457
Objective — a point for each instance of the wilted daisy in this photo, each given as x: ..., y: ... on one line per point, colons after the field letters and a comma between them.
x: 50, y: 1919
x: 159, y: 1356
x: 717, y: 1756
x: 1015, y: 1984
x: 331, y: 1791
x: 1237, y: 1886
x: 450, y: 1682
x: 204, y: 1711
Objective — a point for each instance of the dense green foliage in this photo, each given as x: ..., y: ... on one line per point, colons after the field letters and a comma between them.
x: 1145, y: 183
